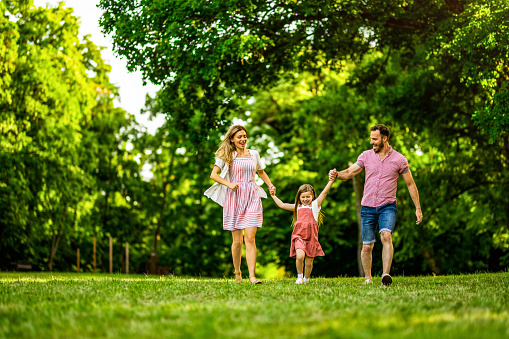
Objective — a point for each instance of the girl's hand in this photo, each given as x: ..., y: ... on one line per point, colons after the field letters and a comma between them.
x: 233, y: 186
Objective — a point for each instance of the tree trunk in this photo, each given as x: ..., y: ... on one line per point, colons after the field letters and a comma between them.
x: 431, y: 261
x: 357, y: 188
x: 56, y: 239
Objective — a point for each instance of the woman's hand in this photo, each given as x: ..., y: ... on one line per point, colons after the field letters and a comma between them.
x: 233, y: 186
x: 272, y: 190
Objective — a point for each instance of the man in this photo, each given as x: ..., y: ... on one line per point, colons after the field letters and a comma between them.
x: 383, y: 167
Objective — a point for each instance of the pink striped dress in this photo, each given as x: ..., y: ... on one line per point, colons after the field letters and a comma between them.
x: 242, y: 208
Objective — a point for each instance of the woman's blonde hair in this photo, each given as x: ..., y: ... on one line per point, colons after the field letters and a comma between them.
x: 303, y: 189
x: 226, y: 147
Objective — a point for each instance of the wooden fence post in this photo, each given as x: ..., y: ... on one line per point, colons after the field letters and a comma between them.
x: 94, y: 254
x: 126, y: 258
x: 78, y: 261
x: 111, y: 255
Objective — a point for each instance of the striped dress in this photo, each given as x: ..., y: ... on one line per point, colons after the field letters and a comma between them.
x: 242, y: 208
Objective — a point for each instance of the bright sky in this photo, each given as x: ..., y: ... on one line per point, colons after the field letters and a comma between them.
x: 131, y: 89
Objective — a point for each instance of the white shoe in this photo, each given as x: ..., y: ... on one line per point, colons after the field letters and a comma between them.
x: 299, y: 281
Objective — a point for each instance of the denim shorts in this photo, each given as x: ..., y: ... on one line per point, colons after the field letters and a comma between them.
x: 382, y: 217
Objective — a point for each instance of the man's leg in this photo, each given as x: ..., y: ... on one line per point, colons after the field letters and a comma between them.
x: 387, y: 251
x: 387, y: 222
x: 366, y: 259
x: 369, y: 220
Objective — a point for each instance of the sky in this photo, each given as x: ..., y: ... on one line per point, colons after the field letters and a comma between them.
x: 131, y: 90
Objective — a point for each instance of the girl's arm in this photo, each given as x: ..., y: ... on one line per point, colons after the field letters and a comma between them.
x: 265, y: 177
x: 285, y: 206
x: 217, y: 178
x: 322, y: 195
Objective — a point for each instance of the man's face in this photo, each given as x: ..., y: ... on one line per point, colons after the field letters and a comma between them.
x: 377, y: 141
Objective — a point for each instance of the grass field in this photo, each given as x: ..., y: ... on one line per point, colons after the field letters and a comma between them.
x: 44, y: 305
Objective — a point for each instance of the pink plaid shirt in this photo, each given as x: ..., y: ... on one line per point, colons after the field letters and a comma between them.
x: 381, y: 176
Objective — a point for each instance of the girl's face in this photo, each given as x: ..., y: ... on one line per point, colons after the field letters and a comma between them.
x: 239, y: 139
x: 306, y: 198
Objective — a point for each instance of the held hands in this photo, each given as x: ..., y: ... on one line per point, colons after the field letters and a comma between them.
x: 233, y: 186
x: 333, y: 173
x: 272, y: 190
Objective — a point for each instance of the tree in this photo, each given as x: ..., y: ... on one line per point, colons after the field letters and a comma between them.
x: 213, y: 51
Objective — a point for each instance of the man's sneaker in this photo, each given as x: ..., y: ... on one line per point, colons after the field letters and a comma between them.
x: 386, y: 279
x: 299, y: 281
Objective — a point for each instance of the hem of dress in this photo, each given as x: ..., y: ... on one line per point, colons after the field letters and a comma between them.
x: 240, y: 228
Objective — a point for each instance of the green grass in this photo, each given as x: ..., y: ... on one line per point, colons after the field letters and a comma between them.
x: 44, y: 305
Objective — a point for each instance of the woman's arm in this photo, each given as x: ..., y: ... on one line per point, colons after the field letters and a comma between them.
x: 285, y: 206
x: 322, y: 195
x: 217, y: 178
x: 265, y: 177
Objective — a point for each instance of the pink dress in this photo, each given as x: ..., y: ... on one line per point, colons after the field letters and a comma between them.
x: 242, y: 208
x: 305, y: 234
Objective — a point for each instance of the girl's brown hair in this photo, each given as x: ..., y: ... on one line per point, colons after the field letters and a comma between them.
x: 226, y: 147
x: 303, y: 189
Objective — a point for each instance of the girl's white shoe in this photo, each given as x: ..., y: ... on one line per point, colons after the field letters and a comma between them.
x: 299, y: 281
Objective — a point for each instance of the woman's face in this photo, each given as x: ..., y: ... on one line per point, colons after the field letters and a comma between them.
x: 239, y: 140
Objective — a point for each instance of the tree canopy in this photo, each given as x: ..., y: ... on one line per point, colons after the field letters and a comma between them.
x: 207, y: 53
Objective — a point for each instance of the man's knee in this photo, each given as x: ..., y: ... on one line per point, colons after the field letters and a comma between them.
x: 367, y: 249
x: 386, y: 237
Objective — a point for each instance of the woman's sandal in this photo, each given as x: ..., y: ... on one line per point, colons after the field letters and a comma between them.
x: 367, y: 281
x: 253, y: 280
x: 238, y: 276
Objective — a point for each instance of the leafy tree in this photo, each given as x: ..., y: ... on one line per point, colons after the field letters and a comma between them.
x: 207, y: 52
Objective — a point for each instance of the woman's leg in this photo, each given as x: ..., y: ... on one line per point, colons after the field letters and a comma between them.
x: 249, y: 238
x: 237, y: 253
x: 309, y: 267
x: 299, y: 262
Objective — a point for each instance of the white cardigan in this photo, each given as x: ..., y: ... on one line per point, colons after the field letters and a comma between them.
x: 217, y: 192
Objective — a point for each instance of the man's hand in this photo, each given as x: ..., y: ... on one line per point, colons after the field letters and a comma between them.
x: 418, y: 213
x: 333, y: 173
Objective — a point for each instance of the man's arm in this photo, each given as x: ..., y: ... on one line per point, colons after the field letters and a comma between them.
x: 414, y: 193
x: 349, y: 173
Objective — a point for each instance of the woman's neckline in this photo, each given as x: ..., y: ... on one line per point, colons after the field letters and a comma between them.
x: 248, y: 156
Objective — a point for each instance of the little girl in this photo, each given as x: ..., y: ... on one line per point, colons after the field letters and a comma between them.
x: 306, y: 219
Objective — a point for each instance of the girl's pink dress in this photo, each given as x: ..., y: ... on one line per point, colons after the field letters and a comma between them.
x: 305, y: 234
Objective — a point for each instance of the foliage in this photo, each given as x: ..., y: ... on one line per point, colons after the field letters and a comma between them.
x: 207, y: 52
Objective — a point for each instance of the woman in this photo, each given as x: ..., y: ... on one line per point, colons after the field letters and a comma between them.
x: 235, y: 189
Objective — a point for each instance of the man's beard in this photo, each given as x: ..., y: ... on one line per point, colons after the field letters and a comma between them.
x: 379, y: 147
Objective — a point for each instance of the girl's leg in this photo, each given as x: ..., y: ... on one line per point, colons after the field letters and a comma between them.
x: 300, y: 260
x: 249, y: 238
x: 309, y: 267
x: 237, y: 253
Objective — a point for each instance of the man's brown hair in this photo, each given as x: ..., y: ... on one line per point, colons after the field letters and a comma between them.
x: 384, y: 131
